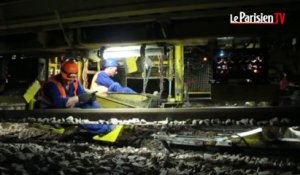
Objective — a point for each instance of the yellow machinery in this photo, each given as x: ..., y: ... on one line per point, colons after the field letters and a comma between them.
x: 20, y: 102
x: 122, y: 100
x: 179, y: 73
x: 175, y: 64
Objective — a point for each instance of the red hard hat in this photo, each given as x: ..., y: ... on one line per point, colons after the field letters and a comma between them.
x: 69, y: 70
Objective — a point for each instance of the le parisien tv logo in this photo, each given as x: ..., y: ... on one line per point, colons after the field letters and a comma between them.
x: 277, y: 18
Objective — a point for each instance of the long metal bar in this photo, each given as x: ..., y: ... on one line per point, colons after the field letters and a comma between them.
x: 179, y: 72
x: 136, y: 9
x: 156, y: 114
x: 10, y: 2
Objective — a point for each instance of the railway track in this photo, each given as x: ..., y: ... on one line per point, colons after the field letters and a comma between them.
x: 258, y: 115
x: 153, y: 146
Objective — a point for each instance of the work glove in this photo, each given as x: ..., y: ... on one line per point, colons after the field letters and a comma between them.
x: 86, y: 97
x: 93, y: 96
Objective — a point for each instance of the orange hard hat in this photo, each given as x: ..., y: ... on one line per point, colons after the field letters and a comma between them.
x: 69, y: 70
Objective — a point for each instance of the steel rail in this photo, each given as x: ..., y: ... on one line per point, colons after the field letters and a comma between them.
x: 156, y: 114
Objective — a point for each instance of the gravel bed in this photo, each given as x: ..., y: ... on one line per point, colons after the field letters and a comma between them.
x: 52, y: 156
x: 85, y: 158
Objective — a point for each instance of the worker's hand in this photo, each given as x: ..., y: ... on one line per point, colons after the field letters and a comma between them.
x: 93, y: 96
x: 86, y: 97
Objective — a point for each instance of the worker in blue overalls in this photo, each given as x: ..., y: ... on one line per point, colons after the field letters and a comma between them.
x: 66, y: 91
x: 104, y: 77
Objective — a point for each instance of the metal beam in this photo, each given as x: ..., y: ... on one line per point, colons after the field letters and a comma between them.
x: 179, y: 73
x: 132, y: 9
x: 186, y: 15
x: 156, y: 114
x: 10, y: 2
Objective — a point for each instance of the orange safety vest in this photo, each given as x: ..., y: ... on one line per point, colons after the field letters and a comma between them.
x: 61, y: 89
